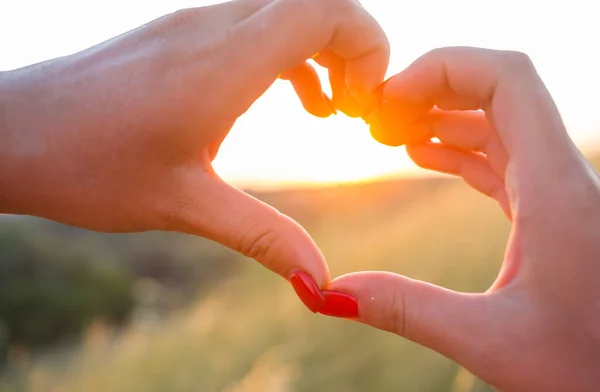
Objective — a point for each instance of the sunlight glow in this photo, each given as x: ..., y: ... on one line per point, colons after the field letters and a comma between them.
x: 277, y: 142
x: 306, y: 149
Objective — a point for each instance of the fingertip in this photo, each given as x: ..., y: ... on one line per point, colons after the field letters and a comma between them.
x: 346, y: 104
x: 359, y: 283
x: 322, y: 108
x: 369, y: 98
x: 365, y: 75
x: 307, y: 290
x: 251, y: 227
x: 301, y: 253
x: 372, y: 291
x: 417, y: 151
x: 389, y: 89
x: 307, y: 85
x: 339, y: 304
x: 381, y: 134
x: 365, y: 286
x: 396, y: 123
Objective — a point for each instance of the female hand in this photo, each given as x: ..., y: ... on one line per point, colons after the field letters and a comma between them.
x: 538, y: 327
x: 120, y: 137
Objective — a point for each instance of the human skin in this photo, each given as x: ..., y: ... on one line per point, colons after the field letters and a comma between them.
x: 121, y: 137
x: 538, y: 326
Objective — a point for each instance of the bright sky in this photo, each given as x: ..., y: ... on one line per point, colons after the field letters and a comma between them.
x: 276, y: 141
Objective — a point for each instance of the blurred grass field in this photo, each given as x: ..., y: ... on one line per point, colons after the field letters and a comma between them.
x: 251, y: 334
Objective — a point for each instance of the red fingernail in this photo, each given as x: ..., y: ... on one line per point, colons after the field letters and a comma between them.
x: 338, y: 304
x: 307, y: 290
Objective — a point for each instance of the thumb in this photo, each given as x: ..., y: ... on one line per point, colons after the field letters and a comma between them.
x: 219, y: 212
x: 451, y: 323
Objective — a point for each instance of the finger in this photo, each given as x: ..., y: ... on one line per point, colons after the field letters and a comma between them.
x: 307, y: 85
x: 474, y: 168
x: 468, y: 130
x: 341, y: 96
x: 504, y: 84
x: 286, y: 33
x: 453, y: 324
x: 394, y: 123
x: 465, y: 130
x: 208, y: 207
x: 367, y: 61
x: 228, y: 12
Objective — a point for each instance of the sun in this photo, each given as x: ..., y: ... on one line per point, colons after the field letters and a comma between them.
x: 284, y: 145
x: 276, y: 141
x: 345, y: 152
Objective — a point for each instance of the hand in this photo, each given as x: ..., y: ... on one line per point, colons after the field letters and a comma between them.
x: 120, y: 137
x: 538, y: 327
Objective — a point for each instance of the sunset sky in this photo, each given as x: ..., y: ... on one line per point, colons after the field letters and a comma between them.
x: 276, y: 142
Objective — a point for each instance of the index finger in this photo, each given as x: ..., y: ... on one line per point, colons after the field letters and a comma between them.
x: 285, y: 33
x: 504, y: 84
x: 360, y: 41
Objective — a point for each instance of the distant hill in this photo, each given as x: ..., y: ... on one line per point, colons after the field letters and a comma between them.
x: 353, y: 200
x: 369, y: 200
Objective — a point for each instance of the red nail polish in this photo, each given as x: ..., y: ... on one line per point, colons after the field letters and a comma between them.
x: 338, y: 304
x: 307, y: 290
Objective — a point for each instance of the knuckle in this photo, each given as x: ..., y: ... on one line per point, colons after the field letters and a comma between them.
x: 339, y: 4
x: 437, y: 52
x: 432, y: 56
x: 516, y: 62
x: 404, y: 312
x: 386, y: 137
x: 257, y: 239
x: 181, y: 16
x: 171, y: 21
x: 305, y: 4
x: 396, y: 311
x: 172, y: 211
x: 257, y: 243
x: 338, y: 9
x: 441, y: 53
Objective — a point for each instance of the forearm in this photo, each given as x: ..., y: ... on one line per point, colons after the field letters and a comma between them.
x: 63, y: 119
x: 62, y: 126
x: 20, y: 143
x: 4, y: 141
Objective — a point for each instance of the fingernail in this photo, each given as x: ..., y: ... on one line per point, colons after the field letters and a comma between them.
x: 351, y: 106
x: 378, y: 93
x: 375, y: 99
x: 329, y: 104
x: 307, y: 290
x: 338, y: 304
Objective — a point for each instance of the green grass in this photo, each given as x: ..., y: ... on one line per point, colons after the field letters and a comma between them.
x: 252, y: 334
